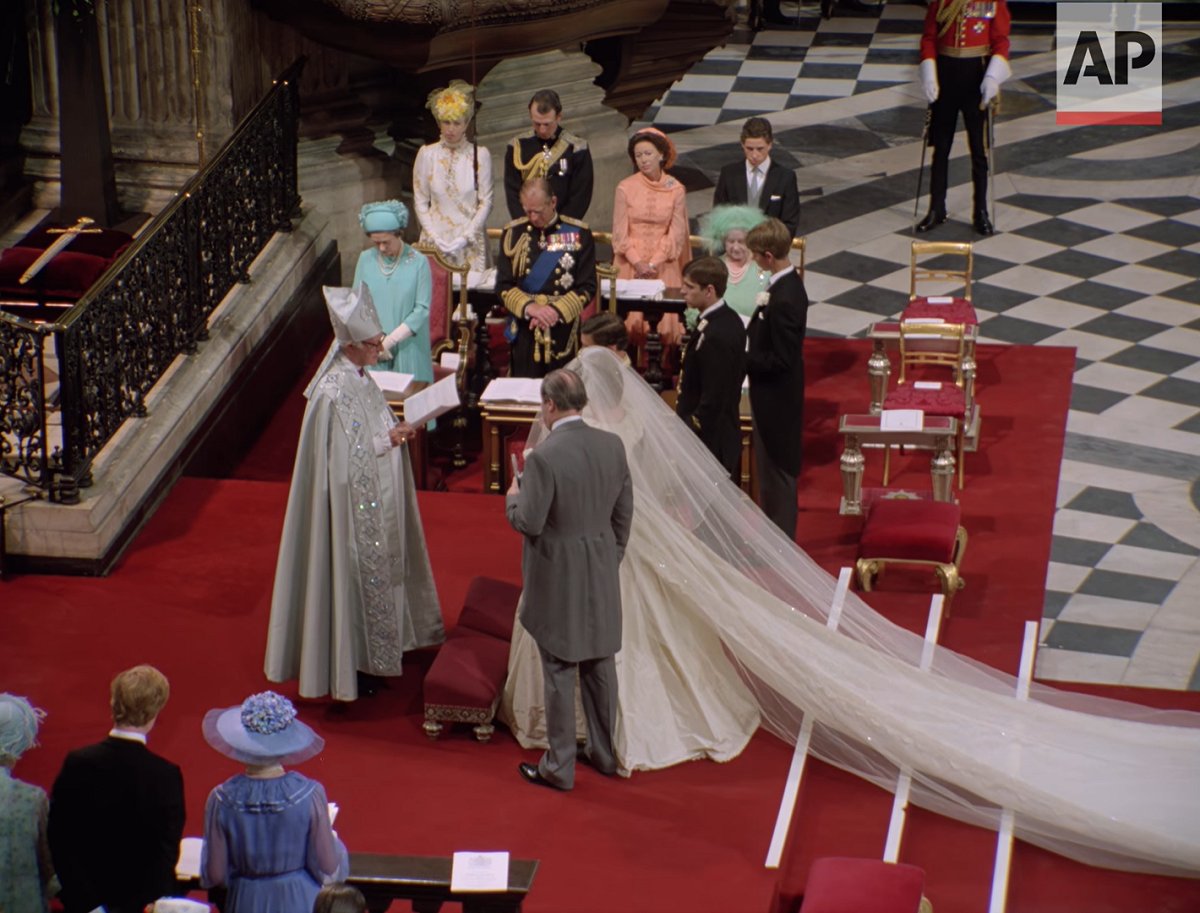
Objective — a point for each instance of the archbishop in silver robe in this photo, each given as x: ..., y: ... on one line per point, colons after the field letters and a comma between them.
x: 353, y: 585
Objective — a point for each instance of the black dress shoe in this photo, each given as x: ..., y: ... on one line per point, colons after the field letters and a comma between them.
x: 827, y: 8
x: 531, y: 774
x: 982, y: 223
x: 932, y: 220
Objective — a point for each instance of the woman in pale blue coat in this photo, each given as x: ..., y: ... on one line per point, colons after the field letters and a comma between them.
x: 399, y: 281
x: 26, y: 871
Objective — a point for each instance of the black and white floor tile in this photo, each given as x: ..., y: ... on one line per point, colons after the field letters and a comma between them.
x: 1098, y: 248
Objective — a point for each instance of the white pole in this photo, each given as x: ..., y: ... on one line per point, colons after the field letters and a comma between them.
x: 1004, y: 837
x: 791, y: 787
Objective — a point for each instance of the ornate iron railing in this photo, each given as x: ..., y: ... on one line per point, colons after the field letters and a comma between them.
x: 152, y: 304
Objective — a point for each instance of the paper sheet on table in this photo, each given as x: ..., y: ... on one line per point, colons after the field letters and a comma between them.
x: 940, y: 299
x: 436, y: 399
x: 901, y: 420
x: 473, y: 871
x: 641, y: 288
x: 392, y: 382
x: 450, y: 360
x: 513, y: 390
x: 484, y: 279
x: 927, y: 385
x: 188, y: 865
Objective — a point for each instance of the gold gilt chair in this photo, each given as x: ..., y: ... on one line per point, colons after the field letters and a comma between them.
x: 955, y: 308
x: 924, y: 349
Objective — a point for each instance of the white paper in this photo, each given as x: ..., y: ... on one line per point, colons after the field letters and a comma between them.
x: 916, y: 321
x: 436, y: 399
x: 391, y: 381
x: 641, y: 288
x: 901, y: 420
x: 927, y: 385
x: 333, y: 812
x: 450, y: 360
x: 474, y: 871
x: 482, y: 279
x: 940, y: 299
x: 188, y: 865
x: 513, y: 390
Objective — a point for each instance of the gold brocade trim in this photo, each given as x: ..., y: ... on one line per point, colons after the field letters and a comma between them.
x: 951, y: 10
x: 976, y: 51
x: 517, y: 251
x: 516, y: 301
x: 453, y: 714
x: 539, y: 164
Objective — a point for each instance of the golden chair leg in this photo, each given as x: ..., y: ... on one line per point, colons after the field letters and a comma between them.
x: 866, y: 568
x: 887, y: 463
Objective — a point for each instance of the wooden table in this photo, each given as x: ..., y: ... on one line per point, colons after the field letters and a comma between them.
x: 936, y: 433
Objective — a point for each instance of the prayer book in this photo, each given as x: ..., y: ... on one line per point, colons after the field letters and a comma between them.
x: 901, y: 420
x: 188, y: 865
x: 391, y: 382
x: 450, y: 360
x: 436, y: 399
x: 513, y: 390
x: 641, y: 288
x: 474, y: 871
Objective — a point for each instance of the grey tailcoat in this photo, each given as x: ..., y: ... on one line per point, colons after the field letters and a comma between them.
x: 574, y: 508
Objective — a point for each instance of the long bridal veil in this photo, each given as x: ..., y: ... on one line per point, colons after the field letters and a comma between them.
x: 1101, y: 781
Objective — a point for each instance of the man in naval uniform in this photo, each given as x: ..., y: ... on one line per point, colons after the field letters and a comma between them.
x: 353, y: 586
x: 546, y: 276
x: 964, y: 59
x: 549, y: 151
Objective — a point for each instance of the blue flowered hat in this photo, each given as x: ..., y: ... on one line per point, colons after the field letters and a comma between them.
x: 263, y: 729
x: 385, y: 215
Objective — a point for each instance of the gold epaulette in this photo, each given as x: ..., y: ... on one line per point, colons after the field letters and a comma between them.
x: 578, y: 223
x: 577, y: 141
x: 515, y: 222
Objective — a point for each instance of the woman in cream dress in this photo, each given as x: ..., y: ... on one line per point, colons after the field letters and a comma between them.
x: 452, y: 181
x: 726, y: 620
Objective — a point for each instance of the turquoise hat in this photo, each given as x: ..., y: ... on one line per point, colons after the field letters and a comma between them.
x: 385, y: 215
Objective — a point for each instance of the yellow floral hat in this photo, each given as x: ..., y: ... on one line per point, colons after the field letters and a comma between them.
x: 456, y: 102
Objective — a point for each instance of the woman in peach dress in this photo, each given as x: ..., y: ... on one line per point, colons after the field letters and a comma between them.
x: 650, y: 226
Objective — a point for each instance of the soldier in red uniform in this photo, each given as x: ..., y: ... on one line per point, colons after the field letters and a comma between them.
x: 964, y: 58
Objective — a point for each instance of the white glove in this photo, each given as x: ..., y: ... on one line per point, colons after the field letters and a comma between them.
x: 998, y: 70
x: 396, y: 337
x: 929, y: 80
x: 453, y: 247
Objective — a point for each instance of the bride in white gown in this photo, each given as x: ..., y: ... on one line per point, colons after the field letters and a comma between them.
x: 724, y: 628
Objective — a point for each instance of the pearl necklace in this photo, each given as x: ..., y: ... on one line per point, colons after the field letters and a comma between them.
x: 384, y: 268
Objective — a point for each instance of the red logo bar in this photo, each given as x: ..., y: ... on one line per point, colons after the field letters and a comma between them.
x: 1091, y: 118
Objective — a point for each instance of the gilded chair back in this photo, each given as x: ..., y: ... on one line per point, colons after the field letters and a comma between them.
x: 800, y: 245
x: 962, y: 275
x: 931, y: 345
x: 448, y: 313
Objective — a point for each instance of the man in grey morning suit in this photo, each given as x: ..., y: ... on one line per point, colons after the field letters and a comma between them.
x: 574, y: 505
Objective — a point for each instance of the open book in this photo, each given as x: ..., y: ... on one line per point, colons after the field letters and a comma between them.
x: 513, y: 390
x: 392, y: 383
x: 434, y: 400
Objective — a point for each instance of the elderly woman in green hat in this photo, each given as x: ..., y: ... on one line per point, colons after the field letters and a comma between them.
x: 26, y: 872
x: 725, y: 229
x: 399, y: 280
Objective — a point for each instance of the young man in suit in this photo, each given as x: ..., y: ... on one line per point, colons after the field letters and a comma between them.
x: 574, y: 506
x: 757, y: 180
x: 775, y: 364
x: 714, y: 364
x: 116, y: 809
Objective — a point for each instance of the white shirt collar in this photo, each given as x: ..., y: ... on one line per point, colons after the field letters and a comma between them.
x: 118, y: 733
x: 775, y: 277
x: 712, y: 307
x: 566, y: 421
x: 765, y: 166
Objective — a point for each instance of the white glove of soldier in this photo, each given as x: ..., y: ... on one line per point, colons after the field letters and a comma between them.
x: 998, y: 70
x: 929, y: 80
x: 396, y: 337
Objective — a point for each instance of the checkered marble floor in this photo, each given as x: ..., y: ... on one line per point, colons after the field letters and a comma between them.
x: 1097, y: 248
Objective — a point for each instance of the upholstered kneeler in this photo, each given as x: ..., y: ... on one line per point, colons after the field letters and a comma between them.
x: 913, y: 531
x: 838, y: 884
x: 463, y: 685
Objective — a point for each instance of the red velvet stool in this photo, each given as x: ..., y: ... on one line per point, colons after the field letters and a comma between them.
x: 840, y: 884
x: 464, y: 682
x: 913, y: 531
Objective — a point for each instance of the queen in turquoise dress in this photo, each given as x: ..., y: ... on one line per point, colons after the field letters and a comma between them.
x: 400, y: 284
x: 26, y: 872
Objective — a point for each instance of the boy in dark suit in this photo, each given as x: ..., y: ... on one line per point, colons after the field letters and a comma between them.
x: 757, y: 180
x: 775, y: 363
x: 116, y: 809
x: 714, y: 364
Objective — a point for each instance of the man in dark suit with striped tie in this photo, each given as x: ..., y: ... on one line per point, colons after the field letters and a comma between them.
x: 758, y: 181
x: 775, y: 363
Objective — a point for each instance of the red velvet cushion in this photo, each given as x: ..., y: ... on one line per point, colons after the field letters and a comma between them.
x: 949, y: 400
x: 490, y: 606
x: 959, y: 310
x: 842, y: 885
x: 469, y: 670
x: 65, y: 278
x: 910, y: 528
x: 438, y: 318
x: 108, y: 243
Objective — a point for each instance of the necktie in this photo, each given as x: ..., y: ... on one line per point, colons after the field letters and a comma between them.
x: 755, y: 187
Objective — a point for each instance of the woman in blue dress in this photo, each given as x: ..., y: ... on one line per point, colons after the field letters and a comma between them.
x: 267, y: 833
x: 399, y: 280
x: 26, y: 872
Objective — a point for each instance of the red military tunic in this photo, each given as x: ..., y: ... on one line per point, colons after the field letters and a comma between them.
x: 977, y: 28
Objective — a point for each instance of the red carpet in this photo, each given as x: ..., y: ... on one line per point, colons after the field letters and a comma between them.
x: 192, y: 596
